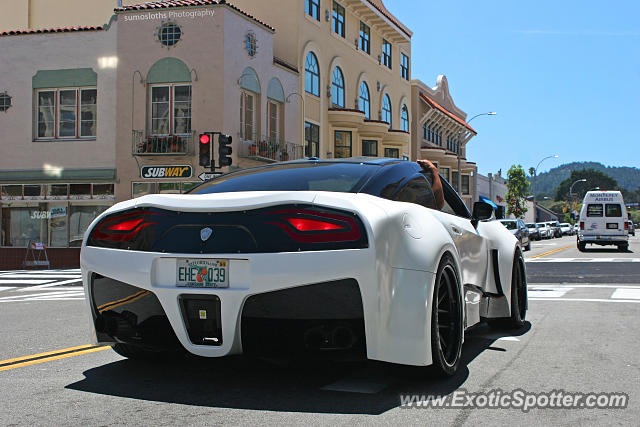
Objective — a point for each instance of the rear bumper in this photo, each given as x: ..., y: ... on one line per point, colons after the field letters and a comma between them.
x: 603, y: 240
x: 138, y: 297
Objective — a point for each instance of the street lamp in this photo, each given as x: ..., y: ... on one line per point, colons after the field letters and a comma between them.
x: 535, y: 175
x: 571, y: 189
x: 459, y: 183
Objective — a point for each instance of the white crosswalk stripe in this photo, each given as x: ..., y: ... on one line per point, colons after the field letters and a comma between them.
x: 585, y: 293
x: 41, y: 285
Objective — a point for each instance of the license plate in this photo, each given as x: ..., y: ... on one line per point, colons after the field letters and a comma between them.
x: 203, y: 273
x: 612, y: 226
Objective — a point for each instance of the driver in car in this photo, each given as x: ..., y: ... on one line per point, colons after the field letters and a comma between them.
x: 431, y: 173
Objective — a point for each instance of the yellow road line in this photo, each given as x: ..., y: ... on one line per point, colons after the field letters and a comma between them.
x: 17, y: 359
x: 49, y: 356
x: 553, y: 251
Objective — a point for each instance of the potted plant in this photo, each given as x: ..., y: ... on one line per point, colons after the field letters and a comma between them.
x: 262, y: 148
x: 284, y: 155
x: 252, y: 149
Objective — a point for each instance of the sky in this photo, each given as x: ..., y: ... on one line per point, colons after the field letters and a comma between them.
x: 563, y: 76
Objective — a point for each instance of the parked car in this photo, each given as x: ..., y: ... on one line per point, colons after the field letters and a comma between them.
x: 576, y: 228
x: 305, y: 257
x: 534, y: 231
x: 566, y: 229
x: 632, y: 229
x: 518, y: 229
x: 555, y: 227
x: 545, y: 230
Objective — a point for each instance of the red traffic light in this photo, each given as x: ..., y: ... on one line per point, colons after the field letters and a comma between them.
x: 204, y: 138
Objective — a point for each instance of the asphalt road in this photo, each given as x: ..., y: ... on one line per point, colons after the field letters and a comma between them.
x: 581, y: 336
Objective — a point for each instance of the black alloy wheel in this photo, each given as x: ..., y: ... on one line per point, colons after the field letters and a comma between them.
x: 446, y: 319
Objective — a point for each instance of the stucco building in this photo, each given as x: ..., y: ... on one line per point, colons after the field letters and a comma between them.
x: 354, y: 86
x: 95, y: 115
x: 440, y: 133
x: 57, y: 135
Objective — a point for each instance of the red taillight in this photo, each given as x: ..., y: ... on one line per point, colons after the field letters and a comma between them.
x: 626, y: 225
x: 305, y: 224
x: 581, y: 225
x: 125, y: 225
x: 311, y: 226
x: 122, y: 228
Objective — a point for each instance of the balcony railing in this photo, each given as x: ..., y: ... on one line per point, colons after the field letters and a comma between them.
x: 152, y: 145
x: 269, y: 149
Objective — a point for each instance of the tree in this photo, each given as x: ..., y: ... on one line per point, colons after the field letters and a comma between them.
x: 594, y: 179
x: 517, y: 191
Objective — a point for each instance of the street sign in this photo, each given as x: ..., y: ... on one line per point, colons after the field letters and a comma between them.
x: 206, y: 176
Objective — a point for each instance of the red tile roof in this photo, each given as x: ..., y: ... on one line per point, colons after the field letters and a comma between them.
x: 380, y: 7
x: 440, y: 108
x: 49, y: 30
x: 165, y: 4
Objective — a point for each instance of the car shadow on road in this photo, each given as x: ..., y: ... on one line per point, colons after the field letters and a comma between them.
x: 320, y: 387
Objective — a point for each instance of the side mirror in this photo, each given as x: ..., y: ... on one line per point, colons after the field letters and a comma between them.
x: 481, y: 211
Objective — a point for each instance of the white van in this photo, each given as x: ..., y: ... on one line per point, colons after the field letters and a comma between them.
x: 603, y: 220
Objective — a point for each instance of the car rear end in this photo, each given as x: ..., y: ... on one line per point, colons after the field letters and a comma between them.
x: 603, y: 220
x: 220, y: 275
x: 534, y: 231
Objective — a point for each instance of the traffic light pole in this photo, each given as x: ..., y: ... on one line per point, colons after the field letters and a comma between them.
x: 224, y: 150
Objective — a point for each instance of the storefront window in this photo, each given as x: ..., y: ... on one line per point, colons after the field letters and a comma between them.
x: 21, y: 226
x: 32, y: 191
x: 141, y: 188
x: 80, y: 191
x: 102, y: 191
x: 57, y: 191
x: 12, y: 191
x: 169, y: 187
x: 186, y: 186
x: 80, y: 219
x: 57, y: 222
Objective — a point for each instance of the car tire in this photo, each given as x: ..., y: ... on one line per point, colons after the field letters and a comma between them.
x: 140, y: 353
x: 581, y: 246
x: 528, y: 247
x: 623, y: 247
x: 447, y: 329
x: 519, y: 298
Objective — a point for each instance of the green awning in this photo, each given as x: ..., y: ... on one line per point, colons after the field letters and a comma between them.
x: 47, y: 176
x: 168, y: 70
x: 65, y: 78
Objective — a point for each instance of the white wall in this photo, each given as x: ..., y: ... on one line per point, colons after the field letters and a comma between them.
x: 22, y: 57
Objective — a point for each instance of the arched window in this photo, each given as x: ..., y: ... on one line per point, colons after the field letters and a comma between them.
x: 386, y: 109
x: 312, y: 75
x: 337, y: 88
x: 364, y: 104
x: 404, y: 118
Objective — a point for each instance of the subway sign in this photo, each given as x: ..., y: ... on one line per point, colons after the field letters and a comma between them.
x: 151, y: 172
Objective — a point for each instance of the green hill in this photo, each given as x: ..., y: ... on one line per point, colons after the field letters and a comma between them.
x: 546, y: 183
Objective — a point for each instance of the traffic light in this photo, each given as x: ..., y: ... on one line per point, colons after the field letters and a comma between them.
x: 224, y: 150
x: 204, y: 149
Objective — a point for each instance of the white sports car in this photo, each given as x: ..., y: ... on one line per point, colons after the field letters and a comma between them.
x: 303, y: 257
